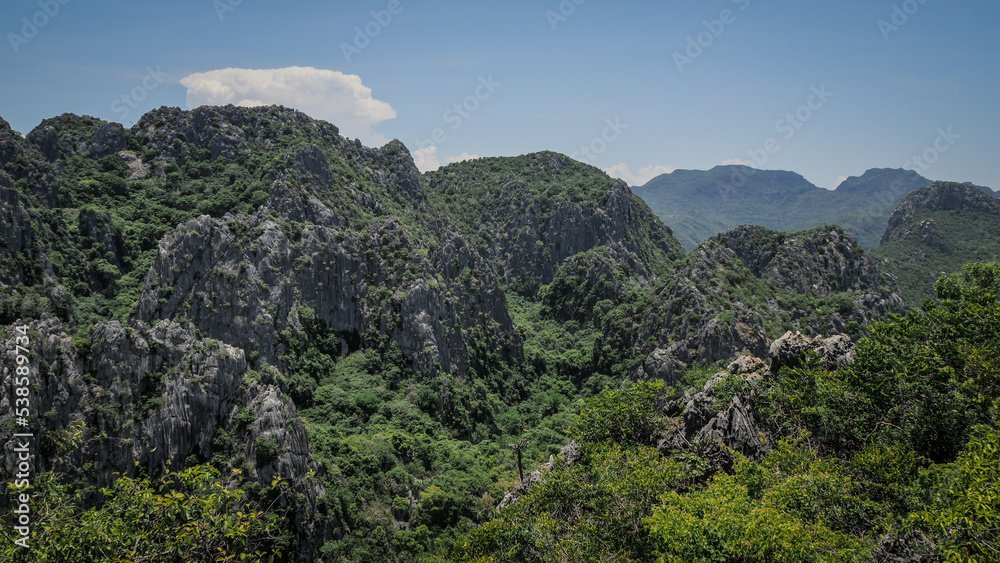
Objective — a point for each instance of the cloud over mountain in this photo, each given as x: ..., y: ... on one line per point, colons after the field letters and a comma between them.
x: 341, y: 99
x: 645, y: 174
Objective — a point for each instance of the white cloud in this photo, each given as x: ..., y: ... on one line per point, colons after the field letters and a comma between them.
x: 324, y: 94
x: 840, y: 180
x: 426, y: 159
x: 733, y: 161
x: 461, y: 158
x: 645, y: 174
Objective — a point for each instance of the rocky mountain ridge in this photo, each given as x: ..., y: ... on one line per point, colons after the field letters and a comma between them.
x: 742, y: 288
x: 172, y: 274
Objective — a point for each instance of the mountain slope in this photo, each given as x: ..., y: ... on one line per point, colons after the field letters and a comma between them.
x: 862, y: 204
x: 938, y: 229
x: 209, y: 284
x: 728, y: 196
x: 742, y: 289
x: 236, y: 243
x: 530, y: 213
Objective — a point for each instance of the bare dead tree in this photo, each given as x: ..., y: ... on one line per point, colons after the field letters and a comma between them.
x: 518, y: 448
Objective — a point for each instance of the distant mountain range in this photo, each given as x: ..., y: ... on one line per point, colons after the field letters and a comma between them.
x: 698, y: 204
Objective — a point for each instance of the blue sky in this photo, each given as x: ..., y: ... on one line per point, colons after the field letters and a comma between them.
x: 819, y: 87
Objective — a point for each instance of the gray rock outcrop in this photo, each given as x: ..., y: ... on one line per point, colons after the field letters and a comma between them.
x: 137, y: 397
x: 723, y: 412
x: 939, y: 196
x: 720, y: 302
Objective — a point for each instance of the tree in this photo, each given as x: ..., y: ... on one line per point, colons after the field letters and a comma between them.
x: 922, y: 380
x: 965, y: 514
x: 518, y: 448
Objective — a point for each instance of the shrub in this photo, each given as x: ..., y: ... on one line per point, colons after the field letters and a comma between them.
x: 267, y: 449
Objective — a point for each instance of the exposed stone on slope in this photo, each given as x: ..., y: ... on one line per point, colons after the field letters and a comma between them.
x: 746, y: 364
x: 107, y: 140
x: 930, y: 235
x: 528, y: 231
x: 570, y: 453
x: 661, y: 365
x: 15, y: 232
x: 716, y: 414
x: 718, y: 339
x: 399, y: 171
x: 938, y: 229
x: 244, y: 286
x: 46, y: 139
x: 223, y: 130
x: 136, y: 167
x: 698, y: 316
x: 529, y: 482
x: 139, y: 396
x: 939, y: 196
x: 11, y: 143
x: 704, y: 425
x: 790, y: 350
x: 822, y: 261
x: 96, y: 226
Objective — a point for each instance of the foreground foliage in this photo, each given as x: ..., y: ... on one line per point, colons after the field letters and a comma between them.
x: 899, y: 453
x: 191, y: 515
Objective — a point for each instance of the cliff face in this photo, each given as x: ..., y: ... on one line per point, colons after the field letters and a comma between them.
x: 141, y: 398
x: 193, y: 369
x: 824, y: 261
x: 148, y: 395
x: 18, y: 236
x: 242, y: 279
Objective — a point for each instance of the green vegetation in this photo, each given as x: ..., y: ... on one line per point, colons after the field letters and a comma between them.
x: 950, y: 239
x: 191, y: 515
x: 107, y: 222
x: 515, y: 199
x: 901, y: 444
x: 432, y: 455
x: 413, y: 458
